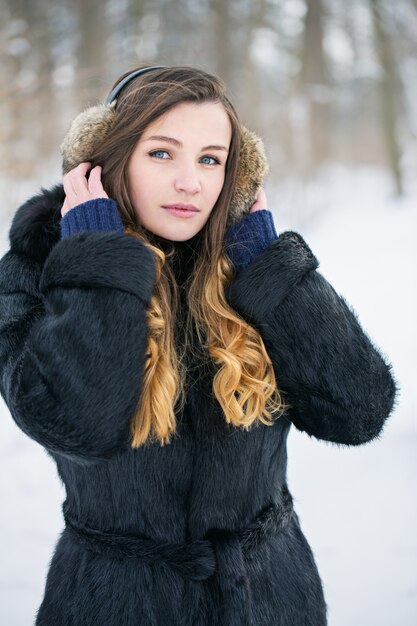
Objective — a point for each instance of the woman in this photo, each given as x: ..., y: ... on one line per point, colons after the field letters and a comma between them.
x: 160, y: 356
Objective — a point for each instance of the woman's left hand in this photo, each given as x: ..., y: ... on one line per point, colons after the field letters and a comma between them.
x: 261, y: 202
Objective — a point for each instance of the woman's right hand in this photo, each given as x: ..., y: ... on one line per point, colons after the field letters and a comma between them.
x: 78, y: 189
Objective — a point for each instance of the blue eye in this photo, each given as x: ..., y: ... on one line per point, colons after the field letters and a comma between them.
x: 210, y: 157
x: 158, y: 151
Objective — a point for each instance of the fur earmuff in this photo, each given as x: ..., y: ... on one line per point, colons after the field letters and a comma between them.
x: 85, y: 132
x: 92, y: 125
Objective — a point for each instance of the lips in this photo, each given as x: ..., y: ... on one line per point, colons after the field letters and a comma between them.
x: 181, y: 213
x: 181, y: 206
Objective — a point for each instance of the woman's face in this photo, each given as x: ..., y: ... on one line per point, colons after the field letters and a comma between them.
x: 185, y: 164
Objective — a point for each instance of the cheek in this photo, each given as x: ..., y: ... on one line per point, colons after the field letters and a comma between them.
x: 138, y: 184
x: 141, y: 199
x: 137, y: 175
x: 218, y: 187
x: 135, y: 191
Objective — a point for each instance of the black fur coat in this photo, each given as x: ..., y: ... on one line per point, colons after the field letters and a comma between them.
x: 200, y: 532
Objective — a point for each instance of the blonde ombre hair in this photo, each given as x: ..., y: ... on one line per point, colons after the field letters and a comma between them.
x: 244, y: 382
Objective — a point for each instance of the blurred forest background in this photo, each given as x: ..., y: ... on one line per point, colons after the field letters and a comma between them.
x: 322, y: 81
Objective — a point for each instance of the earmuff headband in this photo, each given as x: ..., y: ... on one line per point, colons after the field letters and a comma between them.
x: 115, y: 92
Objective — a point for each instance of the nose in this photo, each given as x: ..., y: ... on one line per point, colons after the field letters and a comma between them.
x: 187, y: 180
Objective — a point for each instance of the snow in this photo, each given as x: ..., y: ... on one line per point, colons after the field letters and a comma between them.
x: 355, y: 504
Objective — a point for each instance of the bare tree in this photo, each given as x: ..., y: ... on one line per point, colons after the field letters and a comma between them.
x: 313, y: 81
x: 92, y: 41
x: 387, y: 90
x: 222, y: 27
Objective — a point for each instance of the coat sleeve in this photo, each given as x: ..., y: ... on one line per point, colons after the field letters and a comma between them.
x: 338, y: 385
x: 73, y: 339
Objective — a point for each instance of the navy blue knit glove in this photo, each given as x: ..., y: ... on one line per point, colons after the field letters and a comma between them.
x: 249, y: 237
x: 93, y: 215
x: 244, y: 240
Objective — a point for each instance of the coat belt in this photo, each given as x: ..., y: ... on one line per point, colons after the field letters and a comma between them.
x: 220, y: 553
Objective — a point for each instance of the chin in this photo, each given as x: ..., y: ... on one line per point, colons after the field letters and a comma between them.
x: 185, y: 238
x: 167, y: 238
x: 177, y: 236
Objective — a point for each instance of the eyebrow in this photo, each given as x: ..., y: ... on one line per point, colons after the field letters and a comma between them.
x: 177, y: 143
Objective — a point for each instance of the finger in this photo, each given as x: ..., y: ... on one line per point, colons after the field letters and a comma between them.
x: 70, y: 196
x: 261, y: 194
x: 261, y: 198
x: 78, y: 179
x: 66, y: 184
x: 95, y: 185
x: 64, y: 208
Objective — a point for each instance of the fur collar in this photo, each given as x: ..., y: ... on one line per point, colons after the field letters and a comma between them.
x: 36, y: 225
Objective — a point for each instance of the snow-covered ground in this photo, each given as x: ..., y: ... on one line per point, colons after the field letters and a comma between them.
x: 356, y: 505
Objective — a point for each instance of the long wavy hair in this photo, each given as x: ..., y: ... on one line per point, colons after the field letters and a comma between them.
x: 244, y: 382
